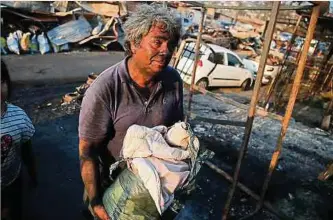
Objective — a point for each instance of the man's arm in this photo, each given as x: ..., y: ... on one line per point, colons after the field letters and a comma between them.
x: 89, y: 171
x: 90, y: 176
x: 95, y: 128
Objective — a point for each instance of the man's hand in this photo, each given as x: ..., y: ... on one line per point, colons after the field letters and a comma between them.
x: 100, y: 212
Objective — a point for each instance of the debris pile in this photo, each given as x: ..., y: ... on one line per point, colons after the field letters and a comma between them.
x: 46, y: 27
x: 78, y: 94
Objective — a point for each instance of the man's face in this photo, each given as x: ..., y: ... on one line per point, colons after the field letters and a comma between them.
x: 155, y: 50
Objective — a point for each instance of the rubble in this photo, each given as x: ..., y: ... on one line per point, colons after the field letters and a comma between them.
x: 78, y: 94
x: 67, y: 25
x: 70, y: 32
x: 31, y: 6
x: 328, y: 173
x: 102, y: 8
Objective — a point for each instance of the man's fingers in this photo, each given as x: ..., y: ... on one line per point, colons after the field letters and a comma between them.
x: 101, y: 213
x: 105, y: 215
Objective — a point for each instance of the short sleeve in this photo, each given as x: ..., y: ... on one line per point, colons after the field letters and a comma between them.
x: 28, y: 129
x: 95, y: 116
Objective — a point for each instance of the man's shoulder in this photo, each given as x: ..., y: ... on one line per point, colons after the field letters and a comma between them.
x: 109, y: 78
x: 172, y: 75
x: 109, y: 75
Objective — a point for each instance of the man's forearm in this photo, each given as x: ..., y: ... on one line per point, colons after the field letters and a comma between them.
x: 89, y: 172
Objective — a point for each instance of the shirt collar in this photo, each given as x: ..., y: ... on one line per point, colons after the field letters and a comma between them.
x: 124, y: 73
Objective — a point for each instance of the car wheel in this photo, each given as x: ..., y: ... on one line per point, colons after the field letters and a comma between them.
x: 203, y: 83
x: 246, y: 85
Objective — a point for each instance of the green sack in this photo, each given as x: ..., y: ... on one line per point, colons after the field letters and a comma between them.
x: 128, y: 199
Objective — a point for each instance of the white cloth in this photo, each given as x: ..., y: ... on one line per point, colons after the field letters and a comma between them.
x: 141, y: 141
x: 177, y: 135
x: 159, y: 166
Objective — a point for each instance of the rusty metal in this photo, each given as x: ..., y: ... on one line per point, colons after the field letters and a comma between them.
x: 320, y: 78
x: 327, y: 173
x: 195, y: 64
x: 245, y: 189
x: 327, y: 117
x: 290, y: 106
x: 253, y: 104
x: 328, y: 79
x: 273, y: 83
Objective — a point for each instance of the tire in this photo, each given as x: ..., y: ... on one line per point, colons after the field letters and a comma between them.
x: 202, y: 83
x: 246, y: 85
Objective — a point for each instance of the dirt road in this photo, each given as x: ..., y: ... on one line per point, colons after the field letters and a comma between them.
x: 62, y: 67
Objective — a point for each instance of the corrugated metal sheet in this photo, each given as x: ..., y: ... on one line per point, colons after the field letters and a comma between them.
x: 70, y: 32
x: 32, y: 6
x: 110, y: 9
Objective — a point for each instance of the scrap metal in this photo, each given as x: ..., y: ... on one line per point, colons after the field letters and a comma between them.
x: 70, y: 32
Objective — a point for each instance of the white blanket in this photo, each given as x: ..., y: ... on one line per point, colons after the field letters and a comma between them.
x: 161, y: 167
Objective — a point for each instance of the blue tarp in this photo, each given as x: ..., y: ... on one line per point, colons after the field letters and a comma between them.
x: 70, y: 32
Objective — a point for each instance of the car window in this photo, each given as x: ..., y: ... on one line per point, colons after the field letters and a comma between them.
x: 189, y: 52
x: 233, y: 61
x: 218, y: 58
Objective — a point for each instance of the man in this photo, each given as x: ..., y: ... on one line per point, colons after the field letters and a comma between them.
x: 141, y: 90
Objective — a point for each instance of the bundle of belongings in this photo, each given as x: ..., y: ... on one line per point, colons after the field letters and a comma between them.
x: 160, y: 160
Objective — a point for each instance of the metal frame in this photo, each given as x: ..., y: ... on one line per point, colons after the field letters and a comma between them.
x: 290, y: 106
x: 273, y: 83
x: 253, y: 104
x: 253, y: 107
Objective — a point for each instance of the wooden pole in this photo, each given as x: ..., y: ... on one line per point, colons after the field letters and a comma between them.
x: 253, y: 104
x: 273, y: 83
x: 195, y: 64
x: 291, y: 103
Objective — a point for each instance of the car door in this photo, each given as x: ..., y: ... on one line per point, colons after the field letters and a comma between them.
x: 235, y: 74
x: 218, y: 75
x: 186, y: 63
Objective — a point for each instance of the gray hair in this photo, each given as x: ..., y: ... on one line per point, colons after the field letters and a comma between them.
x: 140, y: 22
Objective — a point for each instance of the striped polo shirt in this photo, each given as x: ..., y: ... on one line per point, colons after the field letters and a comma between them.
x: 16, y: 128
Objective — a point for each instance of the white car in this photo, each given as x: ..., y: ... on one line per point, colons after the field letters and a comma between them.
x: 217, y: 67
x: 270, y: 71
